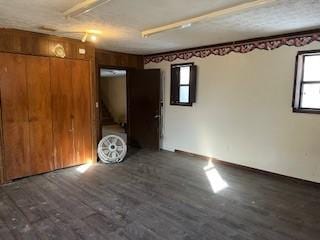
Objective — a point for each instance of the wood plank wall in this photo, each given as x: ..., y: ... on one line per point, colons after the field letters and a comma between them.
x: 24, y: 42
x: 1, y: 150
x: 118, y: 60
x: 37, y: 44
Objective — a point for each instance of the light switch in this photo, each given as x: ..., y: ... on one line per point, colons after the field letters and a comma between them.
x: 82, y: 51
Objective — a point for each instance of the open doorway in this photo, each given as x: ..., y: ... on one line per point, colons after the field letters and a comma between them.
x: 113, y: 102
x: 129, y: 105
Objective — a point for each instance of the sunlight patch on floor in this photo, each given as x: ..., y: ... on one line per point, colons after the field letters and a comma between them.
x: 83, y: 168
x: 216, y: 181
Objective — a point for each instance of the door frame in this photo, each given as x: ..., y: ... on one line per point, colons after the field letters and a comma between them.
x: 98, y: 87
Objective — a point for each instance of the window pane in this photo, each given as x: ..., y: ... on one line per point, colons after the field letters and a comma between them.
x: 184, y: 94
x: 184, y: 75
x: 310, y: 95
x: 311, y: 70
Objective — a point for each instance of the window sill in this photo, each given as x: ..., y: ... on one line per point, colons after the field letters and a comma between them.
x: 306, y: 110
x: 182, y: 104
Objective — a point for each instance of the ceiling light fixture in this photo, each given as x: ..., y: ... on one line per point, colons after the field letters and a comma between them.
x: 83, y: 7
x: 188, y: 22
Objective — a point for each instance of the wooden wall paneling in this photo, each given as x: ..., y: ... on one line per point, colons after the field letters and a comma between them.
x: 90, y: 51
x: 98, y: 101
x: 3, y: 41
x: 38, y: 44
x: 40, y: 114
x: 62, y: 112
x: 82, y: 111
x: 123, y: 59
x: 14, y: 103
x: 94, y: 108
x: 2, y: 178
x: 135, y: 61
x: 90, y: 54
x: 116, y: 59
x: 9, y: 42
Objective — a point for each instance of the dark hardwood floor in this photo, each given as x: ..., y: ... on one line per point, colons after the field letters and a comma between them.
x: 159, y: 195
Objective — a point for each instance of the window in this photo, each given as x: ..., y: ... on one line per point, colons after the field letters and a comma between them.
x: 306, y: 96
x: 183, y: 84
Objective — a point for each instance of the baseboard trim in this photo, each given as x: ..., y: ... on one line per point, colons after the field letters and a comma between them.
x: 264, y: 172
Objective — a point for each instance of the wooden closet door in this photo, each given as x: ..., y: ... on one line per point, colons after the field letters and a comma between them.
x: 62, y: 112
x: 82, y: 111
x: 15, y: 121
x: 40, y: 116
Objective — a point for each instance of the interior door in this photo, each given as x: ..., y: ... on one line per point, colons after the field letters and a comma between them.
x: 62, y: 112
x: 14, y: 104
x: 82, y: 111
x: 40, y: 116
x: 144, y: 108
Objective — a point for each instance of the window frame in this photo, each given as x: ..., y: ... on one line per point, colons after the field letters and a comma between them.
x: 190, y: 85
x: 299, y: 82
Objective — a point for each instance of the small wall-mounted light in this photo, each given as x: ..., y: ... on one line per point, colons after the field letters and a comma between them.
x: 84, y: 38
x: 92, y: 34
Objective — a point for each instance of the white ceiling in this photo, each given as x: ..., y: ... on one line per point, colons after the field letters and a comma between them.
x: 123, y: 20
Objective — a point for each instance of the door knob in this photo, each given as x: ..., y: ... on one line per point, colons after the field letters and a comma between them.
x: 156, y: 116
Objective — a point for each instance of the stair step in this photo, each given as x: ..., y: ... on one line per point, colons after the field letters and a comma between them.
x: 106, y: 117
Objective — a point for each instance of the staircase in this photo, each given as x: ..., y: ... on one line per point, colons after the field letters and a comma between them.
x: 106, y: 118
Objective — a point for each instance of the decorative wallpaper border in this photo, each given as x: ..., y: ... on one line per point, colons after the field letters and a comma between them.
x: 270, y: 43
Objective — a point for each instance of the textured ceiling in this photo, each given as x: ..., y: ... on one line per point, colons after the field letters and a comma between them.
x: 123, y: 20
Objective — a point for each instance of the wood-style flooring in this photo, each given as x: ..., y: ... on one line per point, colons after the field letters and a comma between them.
x: 159, y: 195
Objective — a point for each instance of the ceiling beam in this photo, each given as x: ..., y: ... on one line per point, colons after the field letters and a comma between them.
x: 209, y: 16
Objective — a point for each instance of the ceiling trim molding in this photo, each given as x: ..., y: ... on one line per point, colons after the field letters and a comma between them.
x: 297, y: 39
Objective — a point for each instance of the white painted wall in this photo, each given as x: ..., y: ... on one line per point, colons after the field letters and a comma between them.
x: 114, y: 95
x: 243, y: 114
